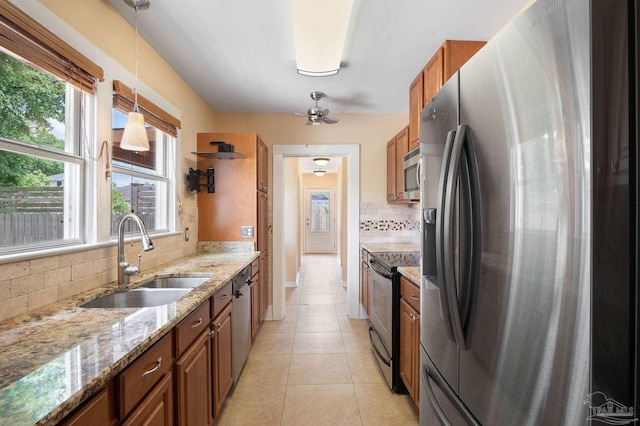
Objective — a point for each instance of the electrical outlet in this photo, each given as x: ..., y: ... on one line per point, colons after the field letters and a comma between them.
x: 246, y: 231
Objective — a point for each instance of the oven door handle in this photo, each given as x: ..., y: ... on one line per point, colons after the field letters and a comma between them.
x: 386, y: 361
x: 379, y: 269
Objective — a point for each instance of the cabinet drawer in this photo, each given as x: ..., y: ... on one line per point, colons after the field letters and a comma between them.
x: 191, y: 327
x: 139, y: 377
x: 221, y: 298
x: 410, y: 292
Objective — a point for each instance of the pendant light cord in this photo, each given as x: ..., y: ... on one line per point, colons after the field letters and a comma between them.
x: 135, y: 87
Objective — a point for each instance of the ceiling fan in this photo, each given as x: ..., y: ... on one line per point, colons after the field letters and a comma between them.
x: 316, y: 115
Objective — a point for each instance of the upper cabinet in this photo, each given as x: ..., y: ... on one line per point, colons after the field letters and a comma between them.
x: 240, y: 190
x: 445, y: 62
x: 396, y: 149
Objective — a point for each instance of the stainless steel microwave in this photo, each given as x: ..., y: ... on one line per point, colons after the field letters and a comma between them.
x: 411, y: 174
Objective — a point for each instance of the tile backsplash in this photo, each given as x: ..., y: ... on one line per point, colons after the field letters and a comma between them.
x: 387, y: 223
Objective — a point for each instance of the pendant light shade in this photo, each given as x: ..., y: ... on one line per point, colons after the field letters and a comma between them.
x: 134, y: 137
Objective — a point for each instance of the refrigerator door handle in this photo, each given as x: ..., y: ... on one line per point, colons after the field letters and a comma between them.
x: 441, y: 259
x: 419, y: 174
x: 426, y: 378
x: 466, y: 173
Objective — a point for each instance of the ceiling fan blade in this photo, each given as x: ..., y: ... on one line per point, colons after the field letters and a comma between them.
x: 299, y: 114
x: 324, y: 112
x: 330, y: 120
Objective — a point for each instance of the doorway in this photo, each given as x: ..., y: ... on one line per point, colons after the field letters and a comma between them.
x: 350, y: 231
x: 319, y: 221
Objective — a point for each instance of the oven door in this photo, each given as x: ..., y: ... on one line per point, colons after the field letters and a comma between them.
x: 381, y: 303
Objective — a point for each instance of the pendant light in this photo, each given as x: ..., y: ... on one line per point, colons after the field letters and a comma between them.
x: 134, y: 137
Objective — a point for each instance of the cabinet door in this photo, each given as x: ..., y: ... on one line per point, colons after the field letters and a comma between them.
x: 263, y: 166
x: 402, y: 147
x: 408, y: 349
x: 433, y: 75
x: 262, y: 231
x: 157, y: 408
x: 100, y: 409
x: 264, y: 285
x: 392, y: 161
x: 416, y: 104
x: 193, y: 384
x: 222, y: 357
x: 364, y: 287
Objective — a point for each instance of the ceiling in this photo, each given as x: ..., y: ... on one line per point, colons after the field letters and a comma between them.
x: 240, y: 57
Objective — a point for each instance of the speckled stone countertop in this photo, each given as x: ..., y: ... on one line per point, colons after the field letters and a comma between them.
x: 411, y: 272
x: 389, y: 247
x: 53, y: 359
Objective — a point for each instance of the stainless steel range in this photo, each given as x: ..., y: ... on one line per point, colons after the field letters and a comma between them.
x: 384, y: 314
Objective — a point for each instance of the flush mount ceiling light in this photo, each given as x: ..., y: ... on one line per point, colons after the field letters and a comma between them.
x: 319, y: 172
x: 134, y: 137
x: 320, y: 31
x: 321, y: 161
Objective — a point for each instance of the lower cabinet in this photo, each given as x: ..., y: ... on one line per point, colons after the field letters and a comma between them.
x: 193, y: 384
x: 264, y: 285
x: 222, y: 357
x: 364, y: 281
x: 410, y: 337
x: 100, y: 409
x: 156, y: 408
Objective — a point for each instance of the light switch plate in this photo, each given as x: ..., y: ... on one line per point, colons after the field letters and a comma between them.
x: 246, y: 231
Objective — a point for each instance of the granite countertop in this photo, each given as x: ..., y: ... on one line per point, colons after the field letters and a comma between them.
x: 411, y: 272
x: 53, y: 359
x: 390, y: 247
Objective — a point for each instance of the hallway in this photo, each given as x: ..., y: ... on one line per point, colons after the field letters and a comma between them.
x: 315, y: 367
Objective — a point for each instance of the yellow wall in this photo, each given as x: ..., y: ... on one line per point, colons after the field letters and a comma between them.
x: 371, y: 131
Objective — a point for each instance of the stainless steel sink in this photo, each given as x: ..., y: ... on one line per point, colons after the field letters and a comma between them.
x: 175, y: 282
x: 138, y: 298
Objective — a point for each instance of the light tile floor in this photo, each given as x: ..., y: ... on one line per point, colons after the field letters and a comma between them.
x: 315, y: 367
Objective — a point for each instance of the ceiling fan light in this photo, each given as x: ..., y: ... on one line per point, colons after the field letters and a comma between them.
x: 319, y: 172
x: 134, y: 137
x: 320, y: 31
x: 321, y: 161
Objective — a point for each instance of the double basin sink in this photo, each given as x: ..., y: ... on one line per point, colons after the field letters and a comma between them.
x: 160, y: 291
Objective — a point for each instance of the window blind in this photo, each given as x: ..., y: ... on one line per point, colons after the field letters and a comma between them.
x: 153, y: 115
x: 22, y: 35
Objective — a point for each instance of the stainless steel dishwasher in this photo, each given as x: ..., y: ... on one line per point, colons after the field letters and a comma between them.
x: 241, y: 284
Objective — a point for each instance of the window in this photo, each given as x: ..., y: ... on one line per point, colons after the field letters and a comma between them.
x: 141, y: 180
x: 40, y: 158
x: 46, y: 86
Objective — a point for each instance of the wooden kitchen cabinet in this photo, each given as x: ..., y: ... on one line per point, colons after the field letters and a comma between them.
x: 443, y: 64
x: 396, y: 149
x: 256, y: 298
x: 409, y: 363
x: 365, y: 291
x: 264, y: 285
x: 222, y: 357
x: 100, y: 409
x: 157, y: 408
x: 141, y: 375
x: 240, y: 198
x: 194, y: 397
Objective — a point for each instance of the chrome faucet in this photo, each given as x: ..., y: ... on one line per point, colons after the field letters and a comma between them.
x: 124, y: 269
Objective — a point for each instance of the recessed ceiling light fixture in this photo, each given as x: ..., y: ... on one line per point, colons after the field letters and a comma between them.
x: 319, y: 172
x: 321, y: 161
x: 134, y: 137
x: 320, y: 31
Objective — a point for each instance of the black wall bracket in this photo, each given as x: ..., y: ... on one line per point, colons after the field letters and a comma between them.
x: 195, y: 180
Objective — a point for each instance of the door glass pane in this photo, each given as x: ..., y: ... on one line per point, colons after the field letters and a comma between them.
x: 319, y: 212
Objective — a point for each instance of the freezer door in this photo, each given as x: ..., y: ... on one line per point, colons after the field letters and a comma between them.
x: 525, y: 98
x: 438, y: 123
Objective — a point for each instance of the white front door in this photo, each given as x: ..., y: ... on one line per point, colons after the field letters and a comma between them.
x: 319, y: 217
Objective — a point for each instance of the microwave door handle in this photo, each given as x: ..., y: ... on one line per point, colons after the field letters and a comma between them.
x: 418, y: 173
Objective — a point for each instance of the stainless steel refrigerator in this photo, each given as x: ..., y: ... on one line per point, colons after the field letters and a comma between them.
x: 529, y: 233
